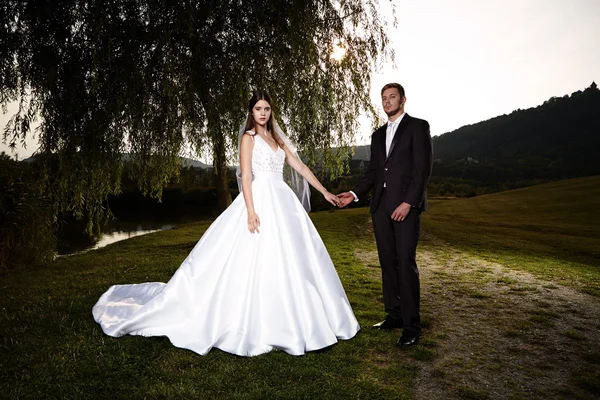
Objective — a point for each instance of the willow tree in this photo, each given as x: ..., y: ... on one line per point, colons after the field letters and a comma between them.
x: 151, y: 78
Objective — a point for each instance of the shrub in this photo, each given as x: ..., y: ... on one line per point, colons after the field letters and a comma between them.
x: 26, y: 216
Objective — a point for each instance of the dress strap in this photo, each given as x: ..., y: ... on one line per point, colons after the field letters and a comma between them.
x: 251, y: 133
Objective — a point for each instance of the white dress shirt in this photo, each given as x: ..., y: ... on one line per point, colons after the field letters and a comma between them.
x: 390, y: 132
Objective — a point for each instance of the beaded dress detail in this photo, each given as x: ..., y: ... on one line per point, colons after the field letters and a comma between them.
x: 264, y: 158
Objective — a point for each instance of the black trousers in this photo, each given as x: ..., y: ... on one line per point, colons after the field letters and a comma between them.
x: 397, y: 248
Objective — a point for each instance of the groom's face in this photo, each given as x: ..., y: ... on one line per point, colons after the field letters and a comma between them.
x: 392, y: 101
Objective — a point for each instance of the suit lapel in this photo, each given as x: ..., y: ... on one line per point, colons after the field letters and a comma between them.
x: 399, y: 131
x: 382, y: 134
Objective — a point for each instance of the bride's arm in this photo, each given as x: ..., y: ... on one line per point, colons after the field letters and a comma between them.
x: 246, y: 169
x: 303, y: 170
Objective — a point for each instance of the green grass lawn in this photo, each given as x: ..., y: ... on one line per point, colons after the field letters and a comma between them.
x: 552, y: 230
x: 52, y: 348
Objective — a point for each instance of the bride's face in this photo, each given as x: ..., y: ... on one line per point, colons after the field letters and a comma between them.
x: 261, y: 112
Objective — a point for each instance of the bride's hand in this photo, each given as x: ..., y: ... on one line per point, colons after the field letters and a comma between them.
x: 253, y: 222
x: 332, y: 198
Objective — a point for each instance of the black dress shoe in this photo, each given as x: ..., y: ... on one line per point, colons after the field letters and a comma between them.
x: 408, y: 339
x: 389, y: 323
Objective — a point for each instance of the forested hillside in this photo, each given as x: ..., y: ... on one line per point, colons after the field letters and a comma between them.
x: 557, y: 140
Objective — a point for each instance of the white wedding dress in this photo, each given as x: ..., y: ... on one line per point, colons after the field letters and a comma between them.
x: 243, y: 293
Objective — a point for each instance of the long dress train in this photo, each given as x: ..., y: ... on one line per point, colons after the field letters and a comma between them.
x: 243, y: 293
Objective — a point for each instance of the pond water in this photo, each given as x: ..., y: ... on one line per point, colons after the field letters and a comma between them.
x: 116, y: 236
x: 73, y: 241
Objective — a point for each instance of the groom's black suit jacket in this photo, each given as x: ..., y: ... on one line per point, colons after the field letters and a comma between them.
x: 405, y: 171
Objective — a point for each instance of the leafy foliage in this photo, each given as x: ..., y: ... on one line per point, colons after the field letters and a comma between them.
x: 26, y: 217
x: 154, y: 78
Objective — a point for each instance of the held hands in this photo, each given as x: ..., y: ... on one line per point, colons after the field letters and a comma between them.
x: 253, y: 222
x: 401, y: 212
x: 333, y: 199
x: 345, y: 198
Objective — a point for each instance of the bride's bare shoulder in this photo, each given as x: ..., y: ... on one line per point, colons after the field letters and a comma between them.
x: 248, y: 137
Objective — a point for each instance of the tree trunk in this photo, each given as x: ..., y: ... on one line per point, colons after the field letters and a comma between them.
x: 223, y: 194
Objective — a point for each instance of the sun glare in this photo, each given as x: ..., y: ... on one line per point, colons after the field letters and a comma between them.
x: 339, y: 52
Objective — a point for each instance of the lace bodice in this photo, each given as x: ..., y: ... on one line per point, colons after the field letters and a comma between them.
x: 264, y: 158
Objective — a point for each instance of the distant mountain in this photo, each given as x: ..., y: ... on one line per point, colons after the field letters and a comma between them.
x: 561, y: 134
x: 361, y: 153
x: 188, y: 162
x: 185, y: 162
x: 558, y: 139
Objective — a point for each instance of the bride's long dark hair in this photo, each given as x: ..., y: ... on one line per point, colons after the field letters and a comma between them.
x: 256, y: 97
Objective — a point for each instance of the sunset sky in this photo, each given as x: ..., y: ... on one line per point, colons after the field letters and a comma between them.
x: 465, y: 61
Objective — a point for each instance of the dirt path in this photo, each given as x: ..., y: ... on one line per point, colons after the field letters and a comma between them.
x: 504, y: 334
x: 495, y: 333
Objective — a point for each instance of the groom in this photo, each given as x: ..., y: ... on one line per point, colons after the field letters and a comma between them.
x: 400, y: 166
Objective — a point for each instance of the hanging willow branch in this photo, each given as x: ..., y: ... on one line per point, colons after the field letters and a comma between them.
x: 148, y: 77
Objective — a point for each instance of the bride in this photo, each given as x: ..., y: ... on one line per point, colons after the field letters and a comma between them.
x: 260, y: 277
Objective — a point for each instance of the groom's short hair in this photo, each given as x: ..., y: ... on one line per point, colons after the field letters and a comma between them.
x: 394, y: 85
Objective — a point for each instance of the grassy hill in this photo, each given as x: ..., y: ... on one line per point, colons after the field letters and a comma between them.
x: 52, y: 348
x: 556, y: 134
x: 551, y: 229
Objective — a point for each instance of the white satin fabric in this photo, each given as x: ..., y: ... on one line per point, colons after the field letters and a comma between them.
x: 243, y: 293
